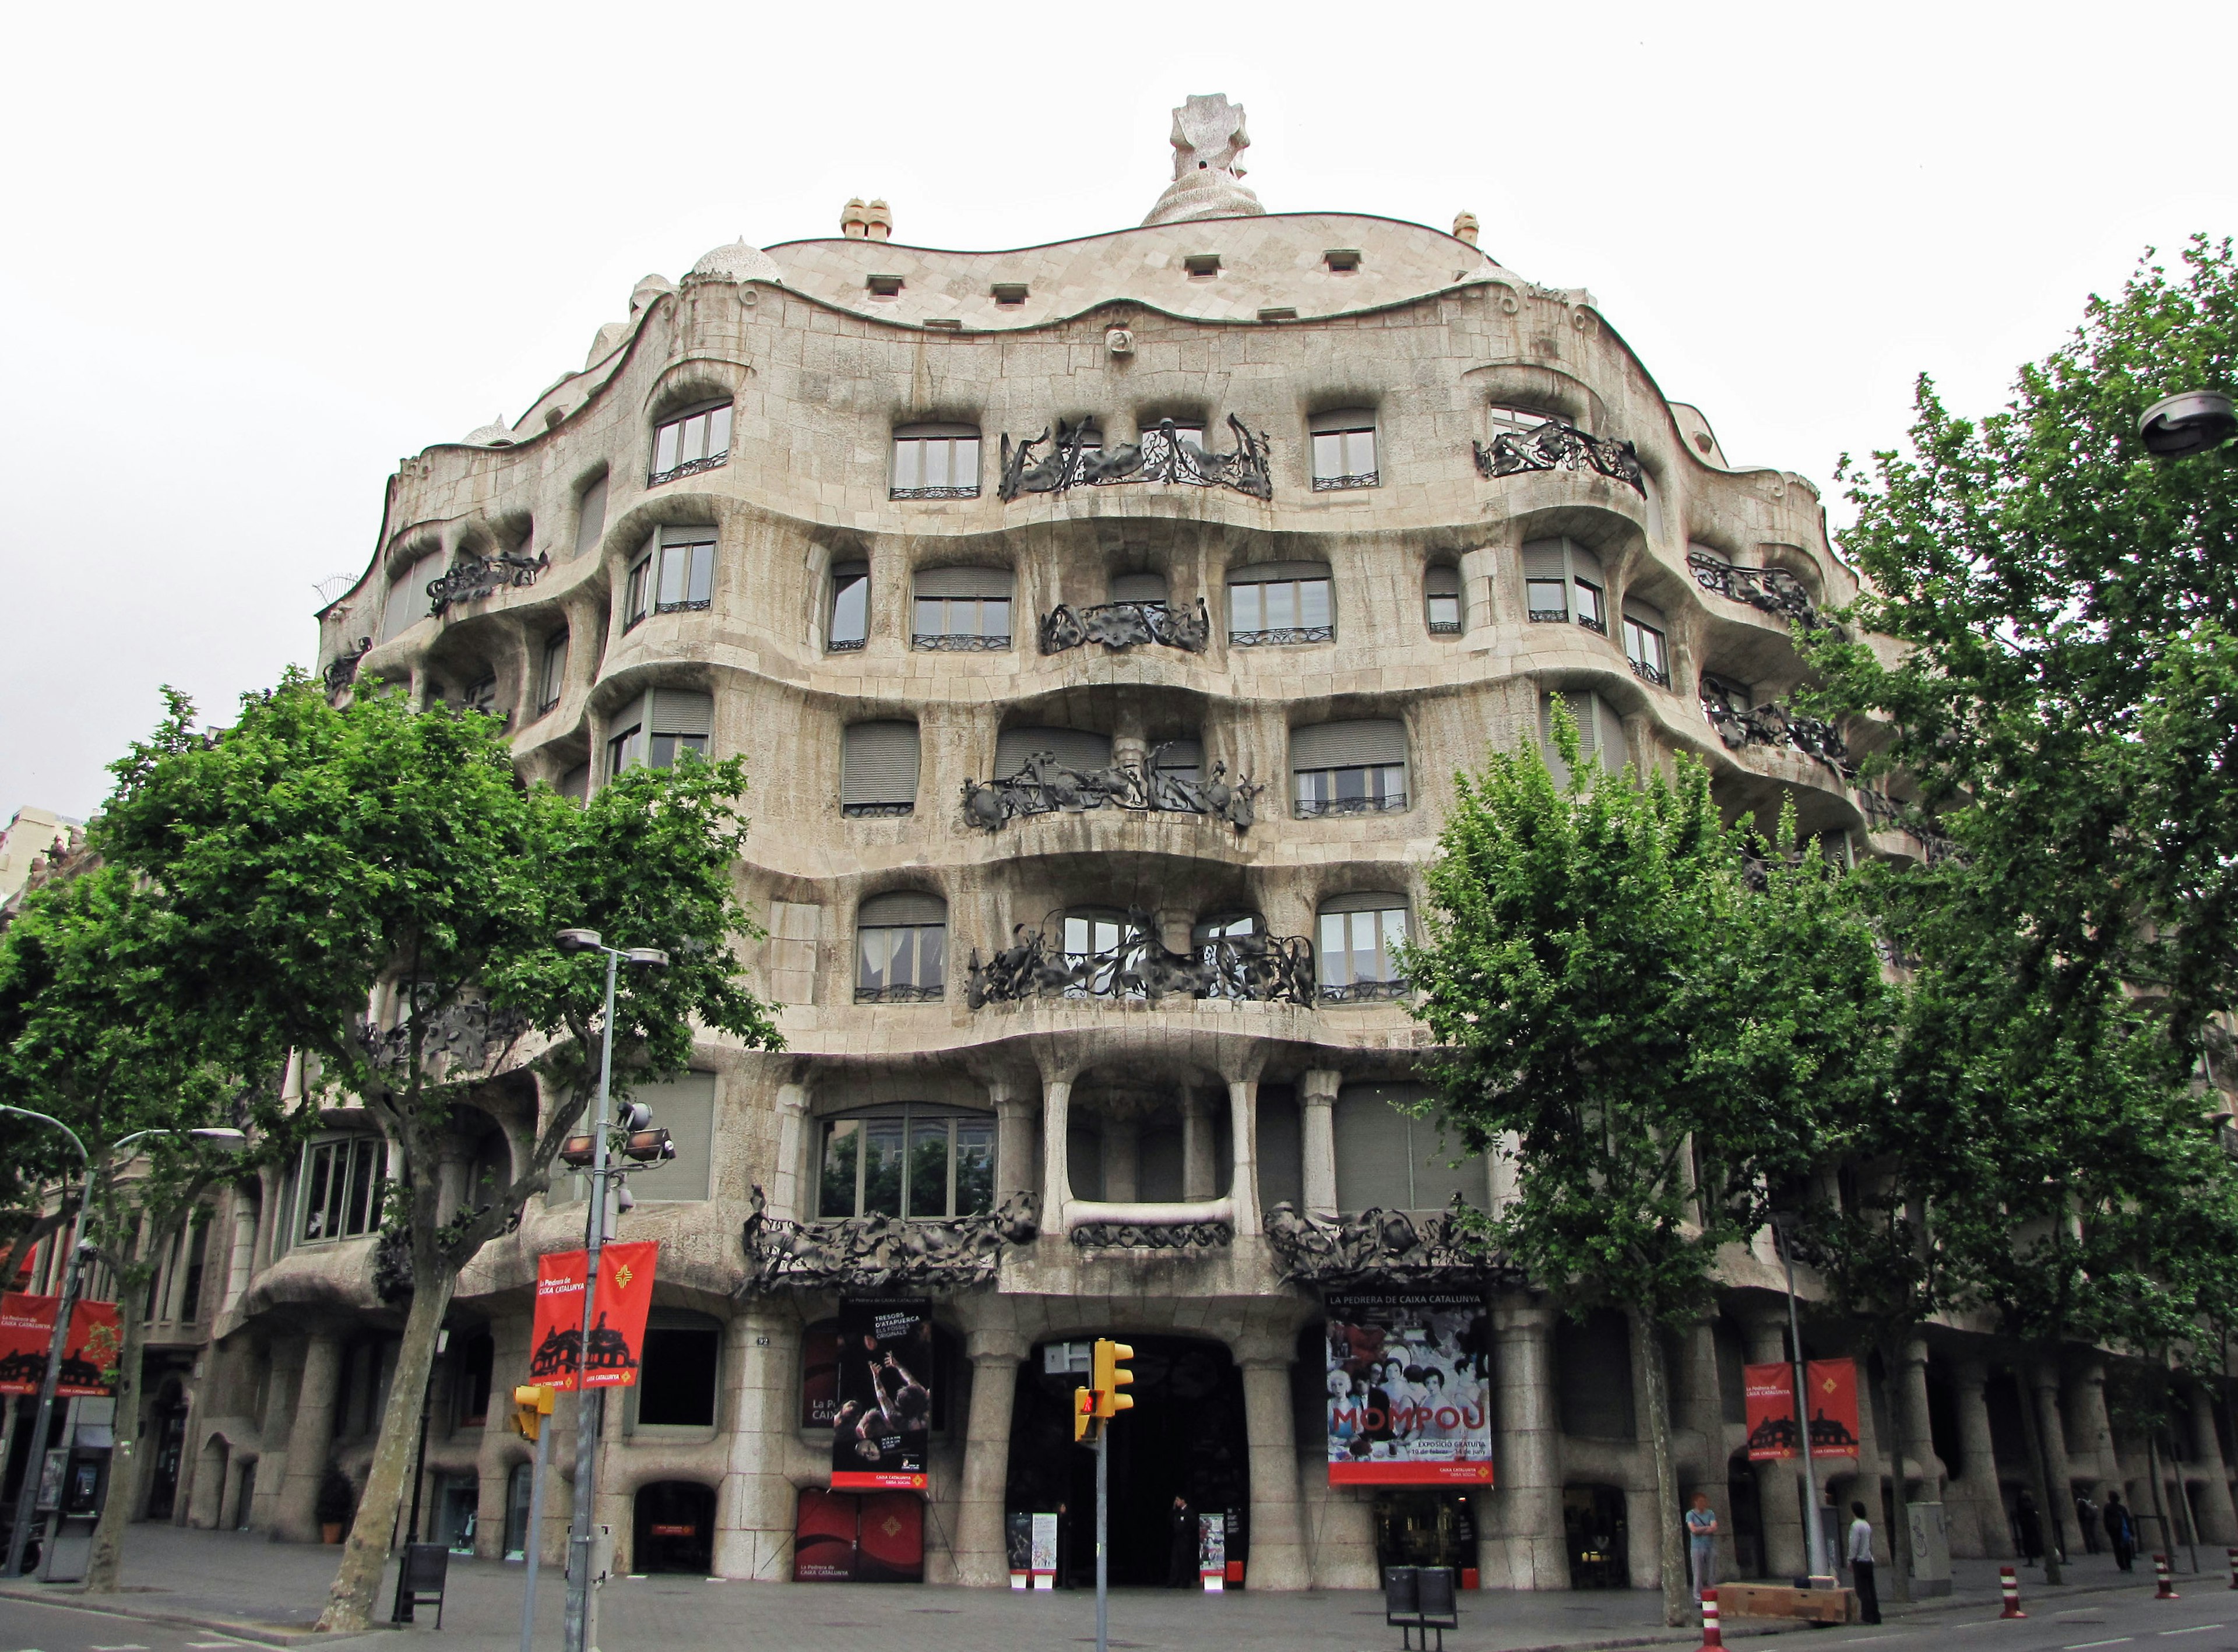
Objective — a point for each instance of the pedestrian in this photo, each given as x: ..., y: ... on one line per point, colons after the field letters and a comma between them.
x: 1702, y: 1543
x: 2086, y: 1521
x: 2121, y: 1532
x: 1860, y: 1564
x: 1181, y: 1552
x: 2029, y: 1524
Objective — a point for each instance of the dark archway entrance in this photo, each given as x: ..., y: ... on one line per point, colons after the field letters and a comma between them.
x: 171, y: 1431
x: 675, y: 1528
x: 1186, y: 1434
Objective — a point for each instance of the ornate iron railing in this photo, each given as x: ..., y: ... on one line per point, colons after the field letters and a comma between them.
x: 1122, y: 624
x: 1385, y: 1247
x: 876, y: 1252
x: 1141, y: 1236
x: 1775, y: 725
x: 899, y: 994
x: 1044, y: 786
x: 474, y: 577
x: 1648, y: 672
x: 951, y: 492
x: 1078, y: 459
x: 1258, y: 969
x: 844, y: 645
x: 1283, y: 637
x: 1558, y: 445
x: 341, y: 670
x: 959, y: 642
x: 1773, y: 590
x: 1312, y: 808
x: 689, y: 467
x: 1358, y: 479
x: 684, y: 607
x: 876, y: 811
x: 1445, y: 628
x: 461, y: 1036
x: 1549, y: 616
x: 1362, y: 992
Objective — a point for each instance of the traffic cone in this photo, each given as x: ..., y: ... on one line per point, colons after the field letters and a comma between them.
x: 1712, y: 1640
x: 2167, y: 1591
x: 2011, y: 1580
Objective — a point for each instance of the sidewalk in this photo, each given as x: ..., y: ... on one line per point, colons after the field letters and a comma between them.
x: 272, y: 1593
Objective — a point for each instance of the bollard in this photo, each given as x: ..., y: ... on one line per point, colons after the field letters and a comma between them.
x: 2011, y: 1580
x: 2167, y: 1591
x: 2234, y: 1567
x: 1712, y: 1641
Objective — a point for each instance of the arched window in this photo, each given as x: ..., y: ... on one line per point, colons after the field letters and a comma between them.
x: 900, y: 948
x: 1391, y: 1158
x: 878, y: 768
x: 1348, y: 768
x: 407, y: 601
x: 908, y: 1160
x: 694, y: 438
x: 935, y: 462
x: 1357, y: 945
x: 1644, y: 631
x: 1442, y: 599
x: 1344, y: 448
x: 1562, y: 579
x: 850, y: 623
x: 961, y: 609
x: 1600, y: 732
x: 660, y: 728
x: 1278, y: 603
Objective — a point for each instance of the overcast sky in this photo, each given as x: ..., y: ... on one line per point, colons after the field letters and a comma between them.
x: 250, y: 256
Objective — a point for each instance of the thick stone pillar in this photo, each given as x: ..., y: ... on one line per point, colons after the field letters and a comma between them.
x: 1779, y: 1486
x: 280, y: 1375
x: 230, y: 1509
x: 1317, y: 1097
x: 2042, y: 1382
x: 1056, y: 1167
x: 1196, y: 1149
x: 1122, y: 1140
x: 754, y: 1506
x: 1697, y: 1424
x: 499, y: 1447
x: 1243, y: 1188
x: 1925, y: 1471
x: 2090, y: 1453
x: 1278, y: 1547
x: 1977, y: 1505
x: 786, y: 1200
x: 1523, y: 1545
x: 2218, y: 1520
x: 310, y: 1440
x: 270, y: 1217
x: 1014, y: 1143
x: 982, y: 1550
x: 240, y: 1256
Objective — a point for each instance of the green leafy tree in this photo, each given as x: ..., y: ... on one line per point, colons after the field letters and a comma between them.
x: 1649, y: 1013
x: 309, y: 855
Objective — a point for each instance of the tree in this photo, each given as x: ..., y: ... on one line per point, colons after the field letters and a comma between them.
x: 1647, y: 1012
x: 309, y: 856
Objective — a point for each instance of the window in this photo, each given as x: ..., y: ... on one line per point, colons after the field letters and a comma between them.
x: 1348, y: 768
x: 1082, y: 751
x: 660, y: 728
x: 877, y: 769
x: 1358, y: 941
x: 553, y: 678
x: 1723, y: 697
x: 477, y: 1360
x: 1643, y: 642
x: 687, y: 570
x: 407, y: 601
x: 1279, y: 602
x: 1601, y: 733
x: 1344, y: 448
x: 1138, y: 587
x: 1442, y: 599
x: 698, y: 439
x: 925, y: 1163
x: 677, y: 1380
x: 341, y: 1187
x: 190, y: 1293
x: 851, y: 607
x: 1092, y: 935
x: 1389, y: 1158
x: 935, y: 462
x: 901, y: 946
x: 1562, y: 578
x: 1516, y: 421
x: 962, y: 608
x: 590, y: 514
x: 638, y: 591
x: 480, y: 695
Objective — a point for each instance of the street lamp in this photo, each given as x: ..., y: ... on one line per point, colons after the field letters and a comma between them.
x: 27, y: 1499
x: 1821, y: 1564
x: 590, y: 1410
x: 2192, y: 421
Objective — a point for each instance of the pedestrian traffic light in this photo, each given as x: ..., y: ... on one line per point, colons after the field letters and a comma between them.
x: 1083, y: 1413
x: 1107, y: 1377
x: 531, y: 1405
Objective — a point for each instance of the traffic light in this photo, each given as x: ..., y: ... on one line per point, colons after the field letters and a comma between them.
x: 1107, y: 1377
x: 1083, y: 1413
x: 531, y: 1405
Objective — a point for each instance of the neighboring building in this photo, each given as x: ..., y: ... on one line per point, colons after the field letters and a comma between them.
x: 1102, y: 623
x: 32, y: 838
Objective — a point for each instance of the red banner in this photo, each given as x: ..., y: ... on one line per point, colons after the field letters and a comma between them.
x: 1375, y: 1473
x: 1831, y: 1390
x: 617, y: 1316
x: 27, y: 1330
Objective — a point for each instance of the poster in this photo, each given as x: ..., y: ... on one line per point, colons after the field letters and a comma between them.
x: 27, y: 1330
x: 884, y: 1426
x: 1018, y: 1546
x: 1212, y: 1550
x: 1831, y: 1385
x: 1043, y: 1552
x: 624, y: 1297
x: 1408, y: 1390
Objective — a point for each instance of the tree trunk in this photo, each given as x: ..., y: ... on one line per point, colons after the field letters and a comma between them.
x: 105, y: 1566
x: 1670, y: 1534
x: 365, y: 1551
x: 1895, y: 1376
x: 2031, y: 1426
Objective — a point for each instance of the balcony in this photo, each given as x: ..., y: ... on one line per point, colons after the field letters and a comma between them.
x: 1167, y: 453
x: 884, y: 1252
x: 1558, y: 445
x: 1125, y: 625
x: 1362, y: 992
x: 1251, y: 968
x: 1385, y: 1247
x: 1390, y: 803
x: 473, y: 577
x: 1044, y: 786
x: 1775, y: 591
x: 1283, y: 637
x: 960, y: 642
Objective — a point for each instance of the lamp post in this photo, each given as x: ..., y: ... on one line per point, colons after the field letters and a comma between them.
x: 1821, y: 1563
x: 2191, y: 421
x: 27, y: 1496
x: 590, y: 1410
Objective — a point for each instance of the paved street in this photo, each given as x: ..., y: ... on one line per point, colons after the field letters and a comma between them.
x: 247, y: 1591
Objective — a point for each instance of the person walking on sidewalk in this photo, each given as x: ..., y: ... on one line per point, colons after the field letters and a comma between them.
x: 2029, y: 1524
x: 1860, y: 1564
x: 2087, y: 1521
x: 2121, y: 1532
x: 1702, y: 1543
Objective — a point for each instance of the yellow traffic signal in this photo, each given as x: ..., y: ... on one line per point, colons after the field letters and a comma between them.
x: 1107, y: 1377
x: 1083, y: 1413
x: 531, y: 1405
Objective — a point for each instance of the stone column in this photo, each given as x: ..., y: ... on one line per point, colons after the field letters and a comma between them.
x: 1122, y: 1137
x: 1014, y: 1143
x: 1523, y: 1545
x: 754, y: 1507
x: 1056, y: 1167
x: 1317, y: 1096
x: 2091, y: 1451
x: 1243, y: 1188
x: 271, y: 1219
x: 1196, y: 1149
x: 1278, y: 1549
x: 2218, y: 1519
x: 1481, y: 598
x: 2042, y: 1382
x: 230, y: 1509
x: 240, y: 1257
x: 1500, y: 1171
x: 1698, y: 1425
x: 280, y: 1375
x: 1908, y: 1414
x: 982, y: 1546
x: 1977, y: 1506
x: 499, y: 1448
x: 310, y: 1440
x: 1779, y: 1486
x: 787, y: 1202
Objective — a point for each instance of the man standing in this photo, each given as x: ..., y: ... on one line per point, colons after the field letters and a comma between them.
x: 1181, y: 1550
x: 2120, y: 1532
x: 1702, y: 1543
x: 2086, y: 1521
x: 1860, y: 1564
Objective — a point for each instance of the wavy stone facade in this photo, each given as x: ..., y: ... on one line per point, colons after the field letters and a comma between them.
x: 1152, y: 1106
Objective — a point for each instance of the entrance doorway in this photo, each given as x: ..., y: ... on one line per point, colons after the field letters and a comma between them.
x: 1424, y: 1528
x: 858, y: 1537
x: 1185, y: 1436
x: 1593, y: 1520
x: 1745, y: 1498
x: 675, y: 1528
x: 170, y: 1421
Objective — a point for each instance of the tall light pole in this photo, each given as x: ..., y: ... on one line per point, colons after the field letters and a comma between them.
x: 27, y: 1498
x: 1821, y: 1562
x: 590, y: 1409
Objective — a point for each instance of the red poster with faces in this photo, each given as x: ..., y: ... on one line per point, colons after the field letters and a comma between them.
x: 617, y: 1316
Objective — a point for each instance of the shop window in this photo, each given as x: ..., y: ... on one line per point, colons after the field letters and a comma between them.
x: 1442, y: 599
x: 878, y: 768
x: 341, y: 1185
x: 680, y: 1370
x: 698, y: 438
x: 961, y: 609
x: 1357, y: 768
x: 918, y: 1162
x: 1357, y: 945
x: 935, y: 462
x: 850, y: 623
x: 1273, y: 604
x: 900, y: 946
x: 1644, y: 633
x: 1562, y: 580
x: 1601, y: 733
x: 1389, y: 1157
x: 1344, y: 449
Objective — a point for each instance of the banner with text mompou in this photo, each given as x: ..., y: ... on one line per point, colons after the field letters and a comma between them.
x: 617, y: 1316
x: 883, y: 1429
x: 1832, y: 1386
x: 1408, y: 1395
x: 27, y: 1330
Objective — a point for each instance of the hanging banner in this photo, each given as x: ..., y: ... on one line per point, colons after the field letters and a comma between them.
x: 1832, y: 1386
x: 882, y: 1429
x: 27, y: 1329
x: 624, y: 1297
x: 1407, y: 1396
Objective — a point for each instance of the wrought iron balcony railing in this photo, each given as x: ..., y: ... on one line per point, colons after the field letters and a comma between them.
x: 1445, y: 628
x: 1386, y: 1247
x: 1255, y: 968
x: 967, y: 492
x: 341, y: 670
x: 960, y: 642
x: 1360, y: 479
x: 470, y: 578
x: 1283, y: 636
x: 1362, y: 992
x: 900, y: 993
x: 1558, y: 445
x: 1775, y: 725
x: 689, y: 467
x: 1044, y: 786
x: 879, y: 1253
x: 1775, y: 591
x: 1147, y: 1236
x: 1078, y: 459
x: 1648, y: 671
x: 684, y: 607
x: 876, y: 811
x: 844, y: 645
x: 1391, y: 802
x: 1122, y: 624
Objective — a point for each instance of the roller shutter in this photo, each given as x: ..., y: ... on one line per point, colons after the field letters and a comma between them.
x: 630, y: 716
x: 1348, y: 745
x: 1341, y: 419
x: 1179, y: 753
x: 1261, y: 573
x: 1643, y: 613
x: 685, y: 1108
x: 1075, y: 748
x: 407, y: 597
x: 878, y: 763
x: 900, y: 907
x: 1542, y: 559
x: 1366, y: 901
x: 1374, y: 1158
x: 1442, y: 580
x: 682, y: 711
x: 982, y: 583
x: 1138, y: 587
x: 691, y: 534
x: 1600, y: 734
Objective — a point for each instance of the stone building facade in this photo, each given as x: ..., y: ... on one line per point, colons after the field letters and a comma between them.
x: 1102, y: 623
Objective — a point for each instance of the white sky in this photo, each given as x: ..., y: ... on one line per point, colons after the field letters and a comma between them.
x: 251, y: 255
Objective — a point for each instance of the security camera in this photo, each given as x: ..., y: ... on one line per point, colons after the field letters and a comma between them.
x: 2190, y: 422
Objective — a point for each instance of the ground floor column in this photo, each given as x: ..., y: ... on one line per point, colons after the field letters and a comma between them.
x: 2041, y: 1383
x: 2091, y: 1453
x: 754, y: 1505
x: 1523, y: 1545
x: 1978, y: 1524
x: 981, y: 1548
x: 310, y: 1440
x: 1277, y: 1534
x: 2218, y: 1521
x: 500, y: 1447
x: 1779, y: 1485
